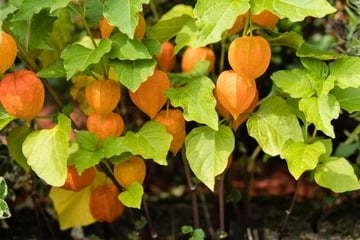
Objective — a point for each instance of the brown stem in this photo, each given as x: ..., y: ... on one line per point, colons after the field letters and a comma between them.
x: 153, y: 233
x: 192, y: 188
x: 223, y: 234
x: 288, y: 211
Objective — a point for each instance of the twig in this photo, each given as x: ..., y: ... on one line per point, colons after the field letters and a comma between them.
x: 192, y: 188
x: 223, y: 234
x: 207, y: 216
x: 288, y: 211
x: 153, y: 233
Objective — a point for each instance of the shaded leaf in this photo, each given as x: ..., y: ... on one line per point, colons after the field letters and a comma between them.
x: 312, y: 51
x: 301, y: 157
x: 132, y: 196
x: 197, y: 100
x: 127, y: 21
x: 47, y: 151
x: 15, y: 140
x: 207, y: 152
x: 29, y: 8
x: 336, y: 174
x: 41, y: 26
x: 55, y: 70
x: 273, y: 124
x: 58, y: 4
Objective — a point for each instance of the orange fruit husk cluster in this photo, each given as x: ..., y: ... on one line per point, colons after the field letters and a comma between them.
x: 192, y: 55
x: 22, y: 94
x: 106, y: 28
x: 105, y: 126
x: 173, y: 120
x: 8, y: 51
x: 130, y: 170
x: 166, y: 59
x: 265, y: 19
x: 103, y: 95
x: 150, y: 96
x: 234, y: 92
x: 75, y: 181
x: 249, y: 56
x: 104, y: 203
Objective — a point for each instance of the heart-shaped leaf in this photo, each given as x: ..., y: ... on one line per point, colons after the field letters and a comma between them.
x: 132, y: 196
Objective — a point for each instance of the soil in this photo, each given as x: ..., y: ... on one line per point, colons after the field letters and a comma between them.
x: 317, y: 214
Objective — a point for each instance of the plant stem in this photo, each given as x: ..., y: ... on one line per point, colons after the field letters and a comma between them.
x: 222, y: 54
x: 207, y: 216
x: 192, y: 188
x: 154, y: 10
x: 223, y: 234
x: 108, y: 172
x: 153, y: 233
x: 289, y: 211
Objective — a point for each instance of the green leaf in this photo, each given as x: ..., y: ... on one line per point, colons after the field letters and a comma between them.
x: 132, y: 196
x: 94, y: 11
x: 3, y: 188
x: 47, y: 151
x: 273, y: 124
x: 152, y: 141
x: 127, y: 21
x: 124, y: 48
x: 197, y: 101
x: 346, y: 72
x: 316, y: 66
x: 336, y: 174
x: 166, y: 29
x: 115, y: 147
x: 301, y: 157
x: 181, y: 78
x: 29, y: 8
x: 210, y: 23
x: 58, y: 4
x: 208, y: 151
x: 312, y: 51
x: 295, y: 10
x: 321, y: 111
x: 87, y: 140
x: 5, y: 118
x: 6, y: 11
x: 348, y: 98
x: 297, y: 83
x: 15, y: 141
x: 78, y: 58
x: 132, y: 73
x: 289, y: 39
x: 41, y: 26
x: 4, y: 210
x: 55, y: 70
x: 84, y: 159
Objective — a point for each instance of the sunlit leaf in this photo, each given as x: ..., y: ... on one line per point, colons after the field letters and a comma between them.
x: 152, y: 141
x: 321, y: 111
x: 197, y: 100
x: 47, y: 151
x: 124, y: 48
x: 346, y: 72
x: 207, y: 152
x: 132, y: 196
x: 132, y: 73
x: 29, y: 8
x: 336, y: 174
x: 127, y: 21
x: 348, y: 98
x: 78, y: 58
x: 301, y: 157
x: 273, y: 124
x: 5, y: 118
x: 72, y: 208
x: 297, y: 83
x: 295, y: 10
